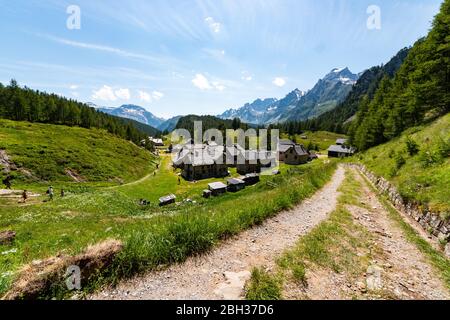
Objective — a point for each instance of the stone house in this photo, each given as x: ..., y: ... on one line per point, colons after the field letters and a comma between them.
x: 340, y: 149
x: 283, y: 147
x: 201, y: 161
x: 296, y: 154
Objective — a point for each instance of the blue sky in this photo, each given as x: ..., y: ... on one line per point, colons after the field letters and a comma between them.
x: 197, y: 56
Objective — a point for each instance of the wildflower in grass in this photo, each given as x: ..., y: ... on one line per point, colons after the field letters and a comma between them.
x: 9, y: 251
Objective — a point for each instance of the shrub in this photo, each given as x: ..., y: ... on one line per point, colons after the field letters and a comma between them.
x: 391, y: 153
x: 412, y: 147
x: 443, y: 147
x: 429, y: 158
x: 299, y: 273
x: 263, y: 286
x: 399, y: 161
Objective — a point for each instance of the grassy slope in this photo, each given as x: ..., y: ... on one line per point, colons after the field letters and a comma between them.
x: 152, y: 235
x: 424, y: 177
x: 48, y: 150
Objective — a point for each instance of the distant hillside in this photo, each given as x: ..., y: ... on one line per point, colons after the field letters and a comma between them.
x: 209, y: 122
x: 24, y: 104
x: 35, y: 152
x: 169, y: 124
x: 144, y: 128
x: 420, y: 90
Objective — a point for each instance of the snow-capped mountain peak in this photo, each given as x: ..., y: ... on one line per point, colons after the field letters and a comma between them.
x: 343, y: 75
x: 264, y: 111
x: 134, y: 112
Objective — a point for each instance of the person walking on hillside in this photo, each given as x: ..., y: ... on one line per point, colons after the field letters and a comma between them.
x: 24, y: 196
x: 50, y: 193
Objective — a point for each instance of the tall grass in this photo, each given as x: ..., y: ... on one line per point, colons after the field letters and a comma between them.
x: 263, y: 286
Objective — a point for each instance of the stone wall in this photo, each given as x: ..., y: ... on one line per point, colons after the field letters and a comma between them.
x: 431, y: 222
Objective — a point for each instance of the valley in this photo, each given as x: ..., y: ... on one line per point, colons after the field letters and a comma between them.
x: 349, y: 200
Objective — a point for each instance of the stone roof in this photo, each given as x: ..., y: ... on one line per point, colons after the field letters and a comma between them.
x: 286, y: 142
x: 284, y: 147
x: 217, y: 186
x: 199, y: 154
x: 168, y: 198
x: 235, y: 181
x: 341, y: 149
x: 300, y: 150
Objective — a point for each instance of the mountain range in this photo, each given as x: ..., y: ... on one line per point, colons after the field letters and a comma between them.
x: 298, y: 105
x: 139, y: 114
x: 134, y: 112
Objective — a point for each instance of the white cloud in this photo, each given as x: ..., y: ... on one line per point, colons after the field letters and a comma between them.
x: 157, y: 95
x: 117, y: 51
x: 201, y: 82
x: 279, y: 82
x: 123, y: 94
x: 218, y: 86
x: 75, y: 94
x: 105, y: 93
x: 213, y: 25
x: 246, y: 76
x: 145, y: 96
x: 73, y: 87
